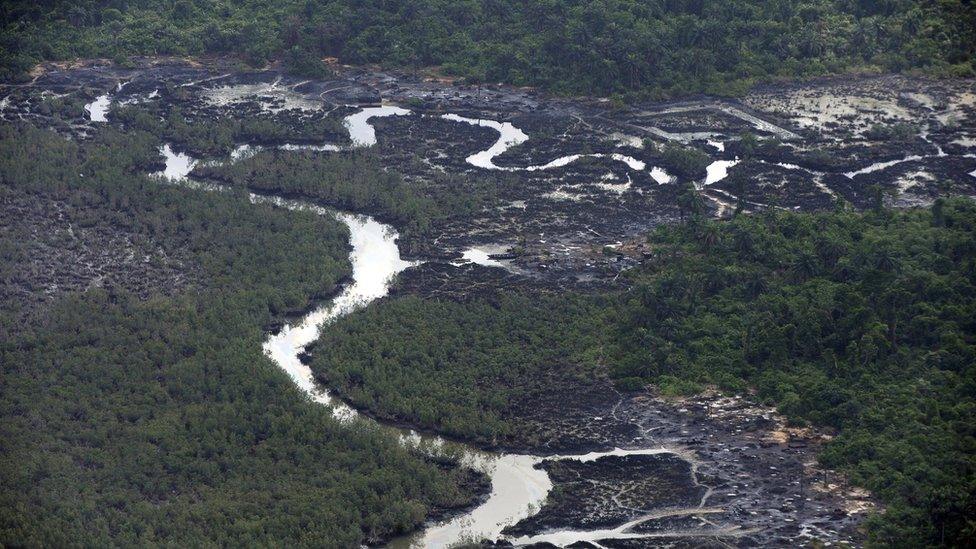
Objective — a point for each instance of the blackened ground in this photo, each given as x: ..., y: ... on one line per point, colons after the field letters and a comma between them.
x: 64, y: 248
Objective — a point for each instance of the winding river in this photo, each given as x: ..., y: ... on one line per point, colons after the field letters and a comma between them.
x: 510, y: 136
x: 519, y: 488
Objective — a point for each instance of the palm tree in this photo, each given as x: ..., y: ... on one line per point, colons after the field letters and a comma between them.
x: 938, y: 212
x: 757, y: 285
x: 690, y: 199
x: 877, y: 198
x: 829, y: 251
x: 745, y: 244
x: 885, y: 260
x: 708, y: 236
x: 740, y: 194
x: 805, y: 267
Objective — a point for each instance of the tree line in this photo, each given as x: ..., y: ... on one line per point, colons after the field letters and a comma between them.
x: 646, y: 48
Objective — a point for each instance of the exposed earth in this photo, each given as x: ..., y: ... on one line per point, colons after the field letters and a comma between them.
x: 820, y: 147
x: 733, y: 473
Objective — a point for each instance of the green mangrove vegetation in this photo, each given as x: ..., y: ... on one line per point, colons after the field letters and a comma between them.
x: 130, y: 421
x: 862, y: 323
x: 358, y: 181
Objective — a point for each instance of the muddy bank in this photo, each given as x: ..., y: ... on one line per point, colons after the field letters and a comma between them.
x: 605, y: 493
x: 745, y: 479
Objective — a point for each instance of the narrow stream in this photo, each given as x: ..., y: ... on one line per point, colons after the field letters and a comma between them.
x: 361, y: 134
x: 509, y: 136
x: 878, y: 166
x: 631, y: 162
x: 519, y: 489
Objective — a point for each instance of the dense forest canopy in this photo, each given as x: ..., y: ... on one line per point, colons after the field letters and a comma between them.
x: 861, y: 322
x: 130, y: 421
x: 458, y: 367
x: 655, y: 47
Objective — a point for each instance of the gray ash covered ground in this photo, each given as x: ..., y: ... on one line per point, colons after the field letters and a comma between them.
x: 557, y: 218
x: 739, y: 477
x: 611, y: 491
x: 73, y: 248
